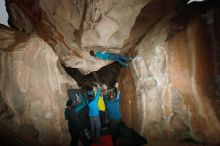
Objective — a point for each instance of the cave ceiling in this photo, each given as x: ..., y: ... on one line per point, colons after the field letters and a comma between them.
x: 74, y: 27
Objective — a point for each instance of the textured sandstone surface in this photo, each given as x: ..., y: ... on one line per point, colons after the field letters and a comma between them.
x: 73, y: 27
x: 175, y: 85
x: 33, y: 89
x: 170, y: 90
x: 109, y: 22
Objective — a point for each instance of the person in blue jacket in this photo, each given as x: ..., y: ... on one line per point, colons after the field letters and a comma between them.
x: 94, y: 116
x: 114, y: 114
x: 105, y: 55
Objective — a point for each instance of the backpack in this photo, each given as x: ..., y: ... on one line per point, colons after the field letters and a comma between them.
x: 74, y: 94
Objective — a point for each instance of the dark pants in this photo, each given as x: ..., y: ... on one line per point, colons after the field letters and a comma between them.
x: 86, y: 141
x: 119, y: 58
x: 95, y: 127
x: 102, y: 115
x: 76, y: 136
x: 114, y: 126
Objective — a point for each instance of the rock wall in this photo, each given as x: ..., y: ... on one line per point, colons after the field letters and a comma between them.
x: 171, y: 87
x: 174, y: 92
x: 109, y: 22
x: 33, y: 90
x: 72, y: 27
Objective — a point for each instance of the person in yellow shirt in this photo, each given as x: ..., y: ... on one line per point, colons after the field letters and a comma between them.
x: 102, y: 109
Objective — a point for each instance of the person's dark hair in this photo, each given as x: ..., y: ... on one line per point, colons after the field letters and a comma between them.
x: 75, y: 102
x: 69, y: 102
x: 91, y: 98
x: 115, y: 91
x: 92, y: 53
x: 95, y: 85
x: 89, y: 88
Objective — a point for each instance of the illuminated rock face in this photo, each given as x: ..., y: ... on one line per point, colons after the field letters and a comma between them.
x: 73, y: 27
x: 172, y: 90
x: 33, y: 89
x: 109, y: 22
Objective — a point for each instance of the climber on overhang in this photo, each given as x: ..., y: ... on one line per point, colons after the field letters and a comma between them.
x: 105, y: 55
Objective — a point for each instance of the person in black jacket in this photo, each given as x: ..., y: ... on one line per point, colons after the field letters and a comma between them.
x: 74, y: 123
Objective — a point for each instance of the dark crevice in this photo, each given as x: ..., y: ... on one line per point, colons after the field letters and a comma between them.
x: 107, y: 75
x: 78, y: 33
x: 186, y: 11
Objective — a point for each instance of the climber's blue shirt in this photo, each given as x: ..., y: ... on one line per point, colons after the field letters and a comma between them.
x: 103, y: 56
x: 113, y: 107
x: 93, y: 105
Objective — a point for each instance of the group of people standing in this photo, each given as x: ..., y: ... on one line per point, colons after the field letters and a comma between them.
x: 103, y: 106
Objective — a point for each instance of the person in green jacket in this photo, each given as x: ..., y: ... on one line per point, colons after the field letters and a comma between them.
x: 71, y: 113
